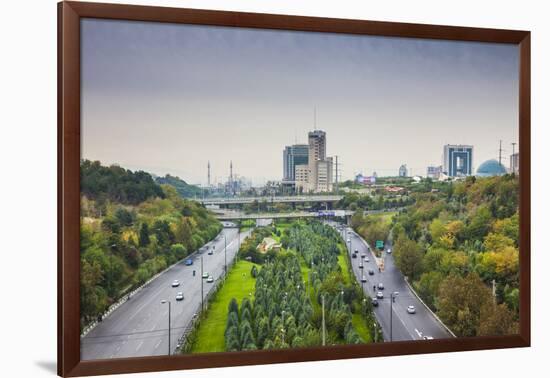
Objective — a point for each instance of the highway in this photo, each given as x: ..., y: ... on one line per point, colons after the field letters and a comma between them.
x: 401, y: 325
x: 139, y: 327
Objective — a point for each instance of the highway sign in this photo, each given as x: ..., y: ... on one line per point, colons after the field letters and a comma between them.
x: 379, y: 244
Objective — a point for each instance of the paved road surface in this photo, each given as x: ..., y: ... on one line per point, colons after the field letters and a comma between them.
x: 139, y: 327
x: 405, y: 326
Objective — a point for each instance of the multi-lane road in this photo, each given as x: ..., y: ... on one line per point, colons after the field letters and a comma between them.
x: 139, y: 327
x: 396, y: 323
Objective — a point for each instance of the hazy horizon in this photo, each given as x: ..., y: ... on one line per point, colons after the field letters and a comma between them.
x: 168, y: 98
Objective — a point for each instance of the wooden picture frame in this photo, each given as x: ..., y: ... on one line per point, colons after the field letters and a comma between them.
x: 69, y: 17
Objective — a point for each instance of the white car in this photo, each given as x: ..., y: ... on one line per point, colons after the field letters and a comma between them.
x: 411, y: 309
x: 205, y: 275
x: 210, y: 279
x: 349, y: 240
x: 175, y: 283
x: 379, y: 295
x: 380, y: 286
x: 179, y: 296
x: 389, y: 250
x: 367, y: 259
x: 427, y: 338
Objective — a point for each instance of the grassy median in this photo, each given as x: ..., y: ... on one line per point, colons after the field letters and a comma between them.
x: 239, y: 284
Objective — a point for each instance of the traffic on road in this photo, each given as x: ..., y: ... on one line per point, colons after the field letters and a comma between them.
x: 139, y: 327
x: 399, y: 312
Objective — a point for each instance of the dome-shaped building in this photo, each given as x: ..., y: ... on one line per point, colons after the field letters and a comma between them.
x: 491, y: 168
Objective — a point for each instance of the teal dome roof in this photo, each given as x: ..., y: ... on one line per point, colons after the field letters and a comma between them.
x: 491, y: 168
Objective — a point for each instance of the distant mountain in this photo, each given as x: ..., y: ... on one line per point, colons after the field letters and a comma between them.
x: 183, y: 188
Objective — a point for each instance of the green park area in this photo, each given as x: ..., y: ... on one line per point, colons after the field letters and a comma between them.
x: 239, y: 284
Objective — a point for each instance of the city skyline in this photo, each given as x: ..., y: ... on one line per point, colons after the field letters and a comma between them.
x: 172, y: 110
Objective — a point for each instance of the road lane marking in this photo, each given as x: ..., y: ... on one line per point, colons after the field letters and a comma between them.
x: 139, y: 346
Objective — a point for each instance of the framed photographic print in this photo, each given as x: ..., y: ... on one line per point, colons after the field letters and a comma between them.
x: 239, y: 188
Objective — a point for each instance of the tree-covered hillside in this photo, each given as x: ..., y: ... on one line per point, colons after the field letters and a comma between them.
x: 452, y: 245
x: 116, y: 184
x: 131, y: 229
x: 183, y: 188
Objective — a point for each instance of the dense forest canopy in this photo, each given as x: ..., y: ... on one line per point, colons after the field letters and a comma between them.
x: 116, y: 184
x: 455, y: 244
x: 286, y: 310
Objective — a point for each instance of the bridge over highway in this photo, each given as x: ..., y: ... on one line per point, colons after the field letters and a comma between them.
x: 234, y: 215
x: 269, y: 199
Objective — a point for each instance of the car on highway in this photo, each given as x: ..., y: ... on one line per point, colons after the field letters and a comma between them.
x: 371, y: 272
x: 427, y: 338
x: 360, y: 265
x: 356, y: 250
x: 354, y: 255
x: 367, y: 259
x: 205, y: 275
x: 189, y: 262
x: 210, y: 279
x: 179, y: 296
x: 363, y: 279
x: 389, y: 250
x: 211, y: 252
x: 411, y: 309
x: 175, y: 283
x: 380, y: 286
x: 374, y: 302
x: 349, y: 240
x: 379, y: 295
x: 363, y: 255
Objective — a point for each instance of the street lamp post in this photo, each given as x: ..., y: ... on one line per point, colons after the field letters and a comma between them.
x: 169, y: 322
x: 225, y: 255
x: 111, y: 267
x: 323, y: 322
x: 392, y: 299
x: 202, y: 285
x: 283, y: 327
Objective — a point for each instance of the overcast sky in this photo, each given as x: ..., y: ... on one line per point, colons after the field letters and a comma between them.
x: 167, y: 98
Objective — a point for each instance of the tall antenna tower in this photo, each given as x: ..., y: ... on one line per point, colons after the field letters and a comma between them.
x: 513, y: 165
x: 315, y: 118
x: 336, y: 183
x: 231, y: 171
x: 209, y: 173
x: 500, y: 153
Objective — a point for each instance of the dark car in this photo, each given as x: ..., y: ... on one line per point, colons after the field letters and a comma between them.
x: 374, y: 302
x: 363, y: 279
x: 354, y: 255
x: 211, y: 252
x: 371, y: 272
x: 361, y: 266
x: 189, y: 262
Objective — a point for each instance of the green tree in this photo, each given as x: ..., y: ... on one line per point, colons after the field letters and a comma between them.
x: 144, y: 235
x: 408, y: 257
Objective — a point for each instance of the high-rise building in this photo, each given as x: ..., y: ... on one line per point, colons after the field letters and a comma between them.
x: 324, y: 175
x: 317, y: 142
x: 514, y: 163
x: 457, y: 160
x: 294, y: 155
x: 301, y: 178
x: 403, y: 170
